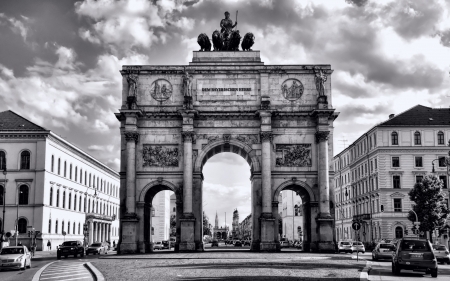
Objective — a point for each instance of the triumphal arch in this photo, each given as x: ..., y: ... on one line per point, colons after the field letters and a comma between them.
x: 279, y: 118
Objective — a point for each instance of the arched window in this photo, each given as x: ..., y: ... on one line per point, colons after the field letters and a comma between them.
x: 22, y: 225
x: 56, y: 226
x: 57, y: 198
x: 398, y: 232
x: 79, y: 228
x: 2, y: 160
x: 75, y: 202
x: 23, y: 195
x: 25, y: 160
x: 70, y: 171
x: 70, y: 201
x: 64, y: 200
x: 49, y: 226
x: 394, y: 138
x: 51, y: 197
x: 52, y: 164
x: 440, y: 136
x: 65, y: 168
x: 417, y: 139
x: 1, y: 194
x: 59, y: 166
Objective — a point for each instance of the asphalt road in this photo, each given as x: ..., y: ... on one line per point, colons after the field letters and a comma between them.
x: 382, y: 271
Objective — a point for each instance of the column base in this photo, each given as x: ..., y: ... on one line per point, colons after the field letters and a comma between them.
x: 199, y: 247
x: 269, y: 247
x: 255, y: 246
x: 187, y: 242
x: 129, y: 242
x: 267, y: 222
x: 326, y: 235
x: 145, y: 247
x: 326, y: 247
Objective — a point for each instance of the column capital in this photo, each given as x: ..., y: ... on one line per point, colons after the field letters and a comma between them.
x: 131, y: 136
x: 188, y: 136
x: 322, y: 136
x: 266, y: 136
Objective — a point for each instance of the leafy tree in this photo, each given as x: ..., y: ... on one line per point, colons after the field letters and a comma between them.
x: 429, y: 205
x: 206, y: 225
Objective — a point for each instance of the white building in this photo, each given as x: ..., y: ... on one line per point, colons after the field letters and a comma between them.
x: 375, y: 173
x: 60, y: 187
x: 291, y: 215
x: 161, y: 216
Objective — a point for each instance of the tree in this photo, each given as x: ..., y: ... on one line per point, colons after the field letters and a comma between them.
x: 429, y: 205
x: 173, y: 224
x: 206, y: 225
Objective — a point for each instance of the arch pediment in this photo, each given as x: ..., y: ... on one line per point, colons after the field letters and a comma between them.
x: 397, y: 194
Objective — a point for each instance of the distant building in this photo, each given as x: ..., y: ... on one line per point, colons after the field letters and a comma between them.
x: 245, y: 228
x: 60, y: 187
x: 291, y: 215
x: 235, y: 230
x: 220, y: 233
x: 161, y: 210
x: 375, y: 173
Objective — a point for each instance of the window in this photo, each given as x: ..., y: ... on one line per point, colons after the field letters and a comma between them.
x: 22, y: 225
x: 441, y: 161
x: 51, y: 197
x: 81, y: 176
x: 75, y: 202
x: 84, y: 209
x: 62, y: 227
x: 444, y: 181
x: 1, y: 194
x: 85, y: 178
x: 64, y: 200
x: 25, y: 160
x: 76, y: 174
x: 395, y: 161
x: 59, y: 166
x: 394, y: 138
x: 440, y: 136
x: 70, y: 171
x: 397, y: 205
x: 23, y: 195
x: 57, y: 198
x: 419, y: 179
x: 417, y: 139
x: 79, y: 228
x: 376, y: 164
x: 65, y: 168
x: 56, y: 226
x: 396, y: 181
x: 398, y: 232
x: 79, y: 207
x: 73, y: 228
x: 418, y: 161
x: 52, y: 164
x: 2, y: 160
x: 90, y: 180
x: 49, y: 226
x: 70, y: 201
x: 89, y: 206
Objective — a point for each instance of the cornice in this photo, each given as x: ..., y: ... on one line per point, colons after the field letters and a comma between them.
x: 23, y: 135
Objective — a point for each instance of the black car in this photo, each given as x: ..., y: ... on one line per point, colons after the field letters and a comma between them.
x: 70, y: 248
x: 215, y: 243
x: 247, y: 243
x: 238, y: 243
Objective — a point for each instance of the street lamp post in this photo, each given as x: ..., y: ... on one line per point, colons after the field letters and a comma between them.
x: 4, y: 205
x: 17, y: 215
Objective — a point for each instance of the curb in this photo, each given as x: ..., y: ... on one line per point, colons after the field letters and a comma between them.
x: 364, y: 276
x: 97, y: 274
x: 37, y: 275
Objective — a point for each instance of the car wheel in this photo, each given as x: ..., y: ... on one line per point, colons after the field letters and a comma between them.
x: 29, y: 264
x: 59, y: 257
x: 434, y: 273
x: 75, y: 255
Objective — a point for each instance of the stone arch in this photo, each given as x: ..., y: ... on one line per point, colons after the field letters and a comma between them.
x: 233, y: 146
x: 157, y: 186
x: 304, y: 185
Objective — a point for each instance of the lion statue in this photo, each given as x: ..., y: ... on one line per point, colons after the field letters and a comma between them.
x: 235, y: 39
x: 217, y: 41
x: 203, y: 41
x: 248, y: 41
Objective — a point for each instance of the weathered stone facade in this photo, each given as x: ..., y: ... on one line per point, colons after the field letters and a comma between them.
x: 272, y: 116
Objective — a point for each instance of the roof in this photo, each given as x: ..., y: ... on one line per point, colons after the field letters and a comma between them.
x: 420, y: 115
x: 11, y: 121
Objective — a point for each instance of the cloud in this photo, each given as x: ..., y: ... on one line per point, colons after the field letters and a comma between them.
x: 108, y: 148
x: 445, y: 38
x: 358, y: 3
x: 17, y: 26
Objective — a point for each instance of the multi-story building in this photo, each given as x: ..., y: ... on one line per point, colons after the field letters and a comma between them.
x: 54, y: 187
x: 235, y: 233
x: 291, y: 214
x: 375, y: 173
x: 161, y: 210
x: 245, y: 228
x: 220, y: 233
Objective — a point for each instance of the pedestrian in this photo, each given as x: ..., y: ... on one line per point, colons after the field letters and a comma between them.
x: 49, y: 245
x: 114, y: 244
x: 33, y: 249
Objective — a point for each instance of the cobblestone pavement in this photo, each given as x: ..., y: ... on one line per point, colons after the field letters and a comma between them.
x: 227, y: 265
x: 65, y: 271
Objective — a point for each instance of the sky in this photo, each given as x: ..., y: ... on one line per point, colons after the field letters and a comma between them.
x: 60, y: 60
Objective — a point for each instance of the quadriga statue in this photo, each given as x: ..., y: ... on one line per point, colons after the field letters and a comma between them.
x: 248, y: 41
x: 203, y: 41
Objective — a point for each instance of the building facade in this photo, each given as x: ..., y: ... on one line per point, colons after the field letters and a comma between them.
x: 375, y: 173
x: 161, y: 216
x: 54, y: 187
x: 291, y: 214
x: 235, y: 226
x: 220, y: 233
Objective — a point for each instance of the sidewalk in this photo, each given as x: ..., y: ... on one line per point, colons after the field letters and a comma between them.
x: 40, y: 254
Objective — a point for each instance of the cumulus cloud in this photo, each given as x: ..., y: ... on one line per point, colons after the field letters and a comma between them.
x: 358, y: 3
x: 17, y: 26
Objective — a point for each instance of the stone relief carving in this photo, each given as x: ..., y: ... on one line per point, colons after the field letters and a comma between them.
x: 293, y: 155
x: 227, y: 138
x: 161, y: 90
x: 320, y: 79
x: 194, y: 155
x: 132, y: 79
x: 160, y: 156
x: 247, y: 139
x: 292, y: 89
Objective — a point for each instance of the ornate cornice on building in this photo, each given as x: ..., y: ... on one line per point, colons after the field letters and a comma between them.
x: 322, y: 136
x: 24, y: 180
x: 266, y: 136
x: 396, y: 172
x: 188, y: 136
x: 397, y: 194
x: 131, y: 136
x: 23, y: 135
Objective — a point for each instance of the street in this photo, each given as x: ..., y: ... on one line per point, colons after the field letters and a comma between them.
x: 381, y: 270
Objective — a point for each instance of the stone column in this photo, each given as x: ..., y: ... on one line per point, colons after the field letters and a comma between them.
x: 91, y: 233
x: 276, y: 215
x: 266, y: 138
x: 131, y: 138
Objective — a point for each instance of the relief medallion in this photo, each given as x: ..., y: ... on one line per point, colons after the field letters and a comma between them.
x: 161, y: 90
x: 292, y: 89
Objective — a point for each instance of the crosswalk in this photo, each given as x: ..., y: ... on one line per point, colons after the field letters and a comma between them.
x: 65, y: 271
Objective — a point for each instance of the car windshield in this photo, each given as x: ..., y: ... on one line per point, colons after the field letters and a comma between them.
x: 158, y: 242
x: 96, y: 245
x: 69, y: 243
x: 11, y: 251
x: 345, y: 243
x: 415, y: 245
x: 439, y: 247
x: 387, y: 246
x: 357, y: 243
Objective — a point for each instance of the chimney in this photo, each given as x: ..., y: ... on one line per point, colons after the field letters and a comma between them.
x: 391, y: 116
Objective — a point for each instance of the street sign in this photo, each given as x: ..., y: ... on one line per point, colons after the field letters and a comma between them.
x: 356, y: 225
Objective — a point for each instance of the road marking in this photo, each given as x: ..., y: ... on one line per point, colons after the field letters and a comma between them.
x: 65, y: 271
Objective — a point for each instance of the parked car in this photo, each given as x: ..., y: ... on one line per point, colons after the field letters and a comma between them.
x: 284, y: 244
x: 383, y: 251
x: 158, y: 245
x: 97, y: 248
x: 69, y: 248
x: 358, y: 247
x: 344, y: 246
x: 247, y: 242
x: 215, y: 243
x: 298, y: 245
x: 165, y: 244
x: 442, y: 254
x: 414, y: 254
x: 238, y: 243
x: 15, y: 257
